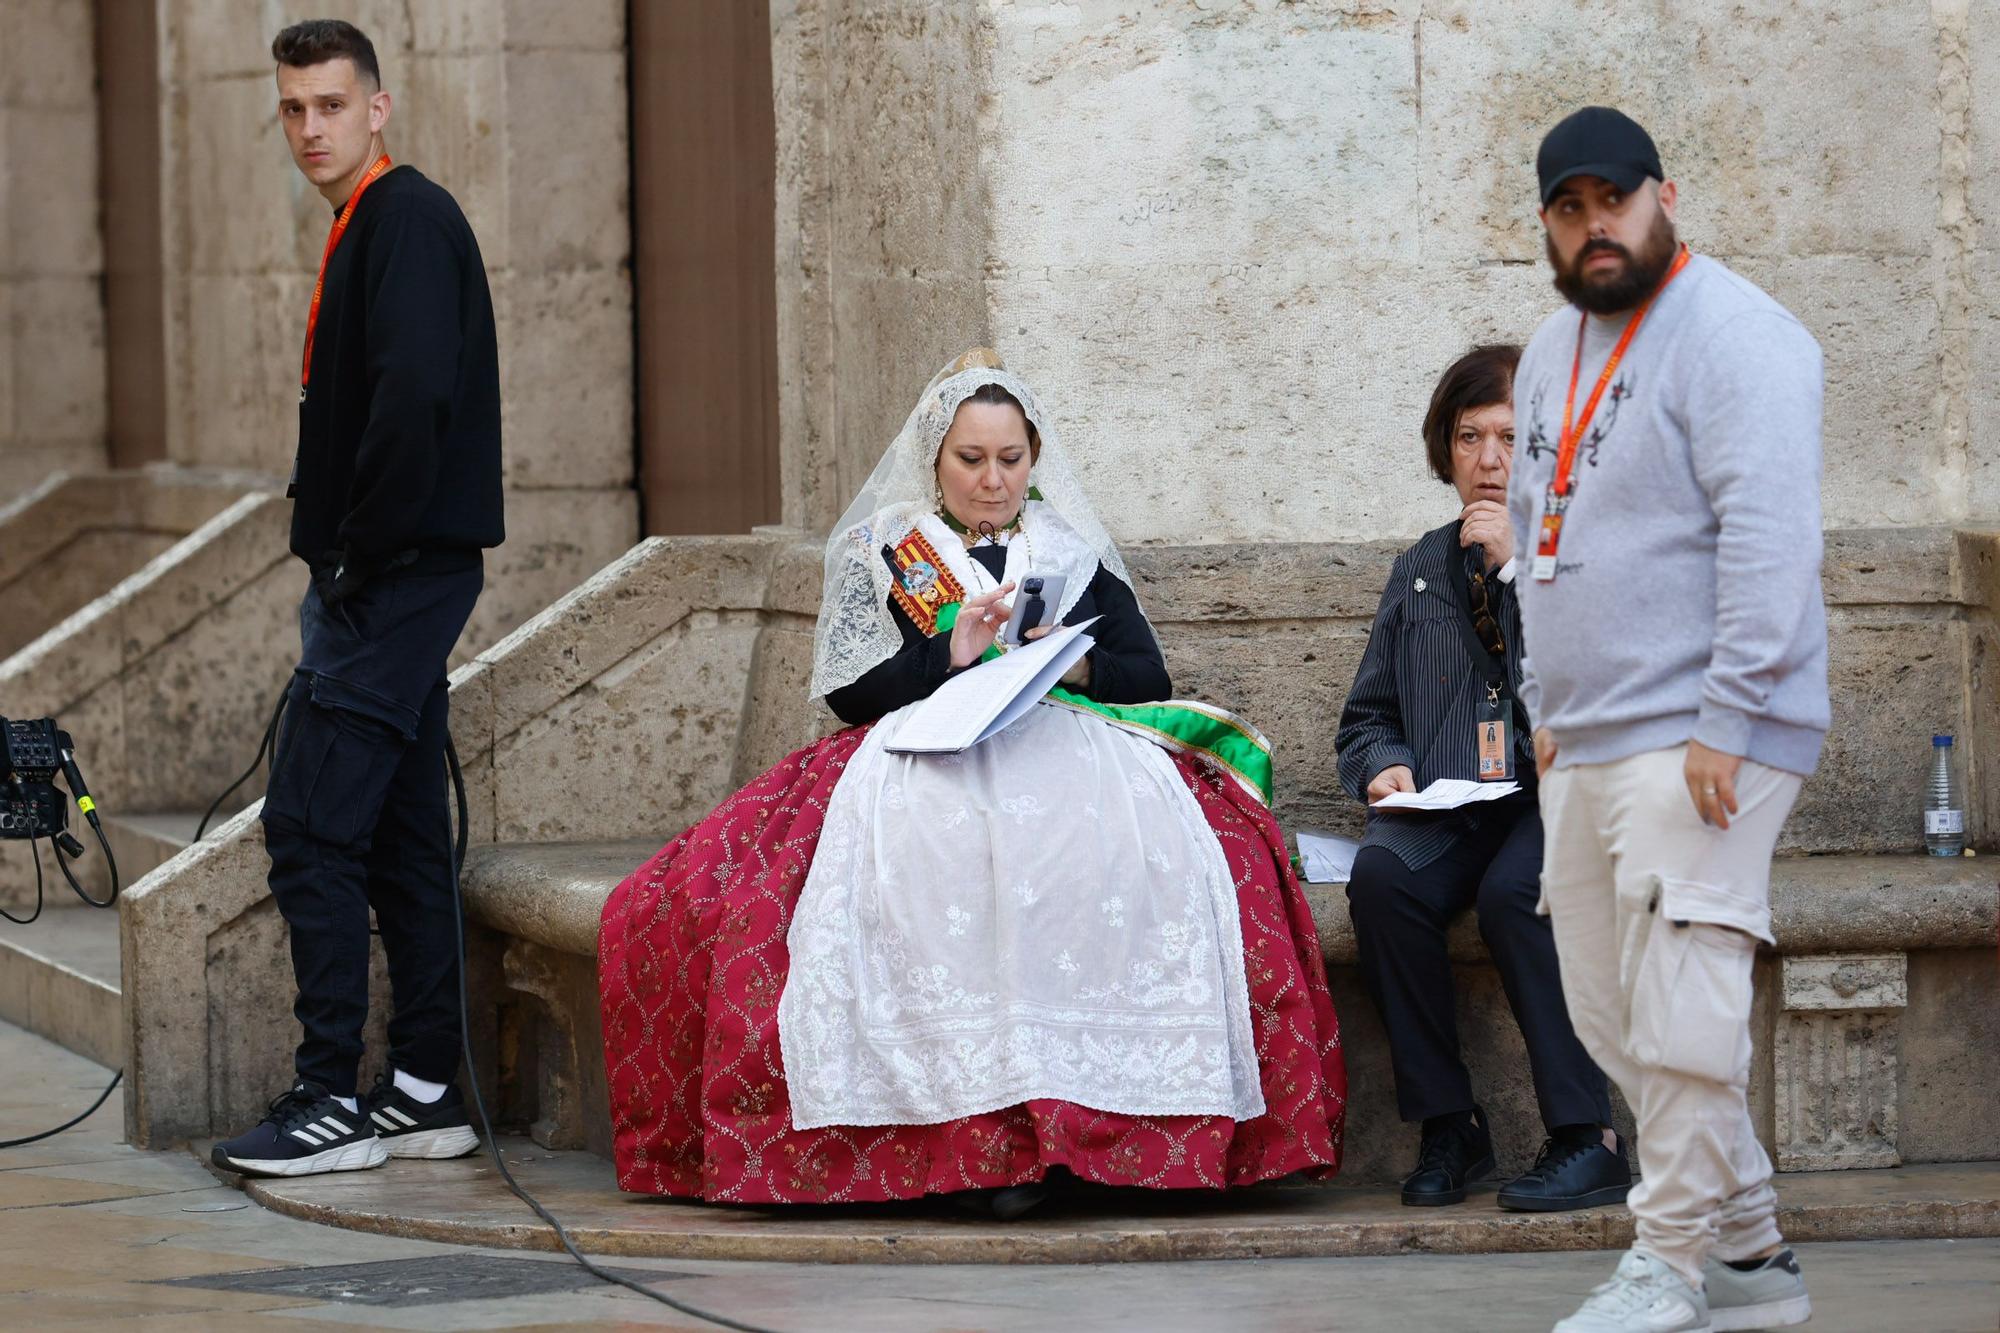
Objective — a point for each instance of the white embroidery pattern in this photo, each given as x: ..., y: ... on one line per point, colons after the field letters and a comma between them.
x: 1022, y: 808
x: 1123, y: 990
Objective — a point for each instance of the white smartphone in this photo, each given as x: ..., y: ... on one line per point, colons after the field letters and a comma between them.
x: 1035, y: 603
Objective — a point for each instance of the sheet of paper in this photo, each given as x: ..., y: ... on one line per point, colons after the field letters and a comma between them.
x: 984, y: 700
x: 1328, y: 859
x: 1448, y: 794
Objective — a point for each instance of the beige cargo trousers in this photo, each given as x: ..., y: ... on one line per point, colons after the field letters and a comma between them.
x: 1657, y: 916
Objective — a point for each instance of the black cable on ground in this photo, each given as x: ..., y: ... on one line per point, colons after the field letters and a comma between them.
x: 459, y: 843
x: 263, y: 746
x: 71, y: 1124
x: 29, y: 919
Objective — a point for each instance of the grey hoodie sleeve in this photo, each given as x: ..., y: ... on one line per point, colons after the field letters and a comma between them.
x: 1754, y: 438
x: 1521, y: 512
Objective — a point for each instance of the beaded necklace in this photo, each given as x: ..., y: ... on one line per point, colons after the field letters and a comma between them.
x: 987, y: 532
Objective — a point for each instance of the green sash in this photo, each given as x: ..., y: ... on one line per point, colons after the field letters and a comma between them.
x: 1180, y: 725
x: 1187, y: 727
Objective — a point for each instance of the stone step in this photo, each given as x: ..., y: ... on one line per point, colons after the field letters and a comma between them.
x: 466, y: 1203
x: 145, y: 842
x: 59, y: 978
x: 141, y: 842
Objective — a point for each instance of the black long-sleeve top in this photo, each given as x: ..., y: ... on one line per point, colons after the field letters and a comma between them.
x: 399, y: 431
x: 1125, y: 664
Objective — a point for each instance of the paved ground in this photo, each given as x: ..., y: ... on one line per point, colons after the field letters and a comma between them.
x: 93, y: 1234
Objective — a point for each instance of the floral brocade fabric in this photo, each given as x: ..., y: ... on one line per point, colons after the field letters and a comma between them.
x: 692, y: 961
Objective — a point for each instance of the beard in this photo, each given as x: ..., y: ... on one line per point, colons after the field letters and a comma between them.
x: 1631, y: 284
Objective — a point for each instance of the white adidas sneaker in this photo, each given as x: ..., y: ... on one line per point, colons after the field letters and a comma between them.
x: 1772, y: 1295
x: 1644, y: 1295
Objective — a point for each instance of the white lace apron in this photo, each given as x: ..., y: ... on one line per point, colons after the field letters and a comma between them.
x: 1047, y: 915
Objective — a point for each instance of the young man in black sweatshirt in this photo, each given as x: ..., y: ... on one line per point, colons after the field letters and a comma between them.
x: 397, y: 491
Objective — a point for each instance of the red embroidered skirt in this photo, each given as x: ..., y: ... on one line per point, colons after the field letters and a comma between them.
x: 692, y: 959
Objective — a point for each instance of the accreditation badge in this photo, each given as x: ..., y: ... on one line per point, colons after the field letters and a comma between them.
x: 1496, y: 750
x: 1554, y: 507
x: 923, y: 586
x: 1495, y: 739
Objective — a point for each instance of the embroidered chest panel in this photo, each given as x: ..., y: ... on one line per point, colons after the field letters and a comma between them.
x: 923, y: 585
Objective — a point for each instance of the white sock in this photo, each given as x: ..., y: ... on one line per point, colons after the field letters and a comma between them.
x: 353, y: 1106
x: 419, y: 1089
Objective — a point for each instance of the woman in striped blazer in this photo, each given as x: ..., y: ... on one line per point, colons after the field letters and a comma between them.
x: 1434, y: 698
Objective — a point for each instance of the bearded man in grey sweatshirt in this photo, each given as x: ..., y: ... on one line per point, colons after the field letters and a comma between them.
x: 1665, y: 497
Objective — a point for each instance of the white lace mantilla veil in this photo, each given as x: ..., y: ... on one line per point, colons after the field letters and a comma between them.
x: 857, y: 630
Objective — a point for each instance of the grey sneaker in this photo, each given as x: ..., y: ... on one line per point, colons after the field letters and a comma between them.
x: 1645, y: 1295
x: 1772, y: 1295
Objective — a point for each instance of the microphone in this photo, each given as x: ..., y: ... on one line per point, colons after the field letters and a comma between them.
x: 74, y: 777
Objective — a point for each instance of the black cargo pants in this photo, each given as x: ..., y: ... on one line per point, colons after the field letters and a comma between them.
x: 357, y: 817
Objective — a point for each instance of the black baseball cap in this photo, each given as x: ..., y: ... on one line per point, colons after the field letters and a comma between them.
x: 1598, y: 141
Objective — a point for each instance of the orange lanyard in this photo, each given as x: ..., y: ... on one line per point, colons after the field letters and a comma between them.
x: 1572, y: 434
x: 332, y: 243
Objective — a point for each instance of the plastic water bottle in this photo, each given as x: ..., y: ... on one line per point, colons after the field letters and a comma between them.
x: 1944, y: 811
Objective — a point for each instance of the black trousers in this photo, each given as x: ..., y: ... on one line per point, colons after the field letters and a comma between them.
x: 1400, y: 917
x: 357, y: 818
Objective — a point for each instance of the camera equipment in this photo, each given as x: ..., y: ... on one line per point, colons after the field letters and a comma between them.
x: 1035, y: 610
x: 33, y: 807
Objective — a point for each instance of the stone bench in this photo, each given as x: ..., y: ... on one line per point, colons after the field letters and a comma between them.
x: 1874, y: 1016
x: 631, y: 706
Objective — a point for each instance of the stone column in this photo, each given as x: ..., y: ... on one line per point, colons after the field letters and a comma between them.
x: 1836, y: 1061
x: 51, y: 256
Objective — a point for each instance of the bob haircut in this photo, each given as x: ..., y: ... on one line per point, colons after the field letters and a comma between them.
x: 1482, y: 377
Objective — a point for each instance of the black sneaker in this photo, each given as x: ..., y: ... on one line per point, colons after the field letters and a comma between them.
x: 1570, y: 1173
x: 304, y: 1133
x: 1449, y: 1159
x: 410, y: 1128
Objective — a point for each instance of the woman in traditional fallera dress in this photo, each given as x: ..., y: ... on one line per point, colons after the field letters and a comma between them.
x: 1077, y: 945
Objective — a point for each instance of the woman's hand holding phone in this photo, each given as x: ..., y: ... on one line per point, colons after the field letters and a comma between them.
x: 980, y: 620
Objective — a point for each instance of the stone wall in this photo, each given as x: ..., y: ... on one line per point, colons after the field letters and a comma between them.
x: 519, y: 109
x: 51, y: 256
x: 1233, y: 242
x: 884, y: 226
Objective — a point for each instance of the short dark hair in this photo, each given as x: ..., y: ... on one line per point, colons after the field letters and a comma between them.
x: 1482, y: 377
x: 316, y: 41
x: 996, y: 395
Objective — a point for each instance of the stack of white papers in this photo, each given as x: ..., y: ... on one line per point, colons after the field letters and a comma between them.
x: 1447, y: 794
x: 1327, y: 859
x: 984, y: 700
